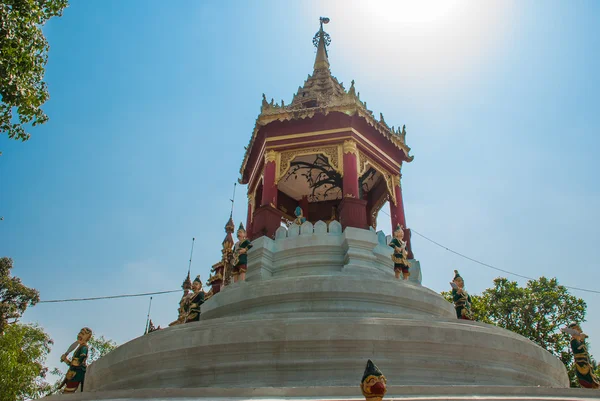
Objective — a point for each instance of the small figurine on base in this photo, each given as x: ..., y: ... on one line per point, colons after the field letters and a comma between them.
x: 462, y: 300
x: 151, y: 327
x: 240, y: 252
x: 399, y: 257
x: 194, y: 301
x: 300, y: 219
x: 583, y: 367
x: 77, y: 364
x: 373, y: 383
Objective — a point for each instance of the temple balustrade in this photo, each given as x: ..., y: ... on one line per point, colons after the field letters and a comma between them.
x: 323, y: 248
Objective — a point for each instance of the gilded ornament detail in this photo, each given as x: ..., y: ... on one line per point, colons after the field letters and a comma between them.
x: 365, y: 162
x: 270, y: 156
x: 251, y: 203
x: 377, y: 207
x: 331, y: 152
x: 350, y: 147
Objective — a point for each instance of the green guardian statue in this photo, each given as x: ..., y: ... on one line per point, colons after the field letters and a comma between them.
x: 78, y: 363
x: 240, y: 254
x: 462, y: 300
x: 399, y: 257
x: 583, y: 366
x: 194, y: 301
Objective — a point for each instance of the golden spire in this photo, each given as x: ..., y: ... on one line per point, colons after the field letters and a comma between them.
x: 321, y: 41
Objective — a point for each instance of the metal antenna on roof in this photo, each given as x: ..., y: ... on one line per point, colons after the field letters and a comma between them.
x: 232, y: 199
x: 148, y: 317
x: 191, y: 253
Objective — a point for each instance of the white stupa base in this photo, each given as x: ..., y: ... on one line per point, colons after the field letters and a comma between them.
x: 317, y: 304
x: 404, y: 393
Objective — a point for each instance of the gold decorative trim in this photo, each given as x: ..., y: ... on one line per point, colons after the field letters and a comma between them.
x: 350, y: 147
x: 376, y: 208
x: 333, y: 154
x: 353, y: 107
x: 396, y: 180
x: 364, y: 162
x: 304, y: 134
x: 338, y: 139
x: 252, y: 204
x: 255, y: 188
x: 270, y: 156
x: 334, y: 131
x: 389, y: 161
x: 257, y: 167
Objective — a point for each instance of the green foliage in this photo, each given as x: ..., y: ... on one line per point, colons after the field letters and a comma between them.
x: 23, y: 58
x: 14, y: 296
x: 478, y: 307
x: 23, y: 352
x: 99, y: 346
x: 536, y: 311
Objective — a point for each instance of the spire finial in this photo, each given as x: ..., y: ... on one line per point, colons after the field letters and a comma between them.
x: 352, y: 90
x: 321, y: 40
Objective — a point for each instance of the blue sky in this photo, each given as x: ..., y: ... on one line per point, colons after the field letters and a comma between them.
x: 151, y: 107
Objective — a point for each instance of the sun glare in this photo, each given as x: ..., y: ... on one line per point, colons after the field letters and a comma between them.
x: 410, y: 11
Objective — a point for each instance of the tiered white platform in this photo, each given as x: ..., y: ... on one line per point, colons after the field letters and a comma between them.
x: 316, y: 305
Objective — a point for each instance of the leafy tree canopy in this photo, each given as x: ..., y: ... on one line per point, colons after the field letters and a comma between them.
x: 23, y: 352
x: 14, y: 296
x: 23, y: 58
x: 99, y: 346
x: 536, y: 311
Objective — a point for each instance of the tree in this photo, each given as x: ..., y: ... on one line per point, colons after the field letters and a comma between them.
x: 536, y: 311
x: 14, y: 296
x: 23, y: 58
x: 99, y: 346
x: 23, y: 352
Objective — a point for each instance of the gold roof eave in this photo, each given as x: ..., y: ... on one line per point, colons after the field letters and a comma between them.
x: 287, y: 113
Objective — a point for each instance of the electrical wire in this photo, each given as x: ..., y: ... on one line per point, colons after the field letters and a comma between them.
x: 412, y: 230
x: 490, y: 266
x: 107, y: 297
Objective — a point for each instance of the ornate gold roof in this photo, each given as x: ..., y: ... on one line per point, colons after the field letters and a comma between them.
x: 214, y: 278
x: 322, y: 93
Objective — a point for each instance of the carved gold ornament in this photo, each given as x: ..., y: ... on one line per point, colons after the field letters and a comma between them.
x: 333, y: 154
x: 251, y: 202
x: 350, y: 147
x: 364, y: 163
x: 270, y: 156
x: 377, y: 207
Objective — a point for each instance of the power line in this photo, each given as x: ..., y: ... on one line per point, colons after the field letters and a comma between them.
x: 412, y: 230
x: 488, y: 265
x: 107, y: 297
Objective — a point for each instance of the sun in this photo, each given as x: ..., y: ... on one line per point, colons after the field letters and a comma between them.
x: 410, y: 11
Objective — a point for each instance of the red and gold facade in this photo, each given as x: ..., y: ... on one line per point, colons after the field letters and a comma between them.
x: 326, y: 153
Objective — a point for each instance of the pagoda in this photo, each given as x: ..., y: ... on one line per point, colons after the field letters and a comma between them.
x: 325, y: 152
x: 320, y: 298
